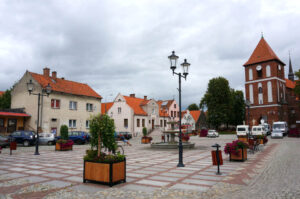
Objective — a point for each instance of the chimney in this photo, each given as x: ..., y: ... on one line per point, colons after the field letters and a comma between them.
x: 63, y: 78
x: 46, y: 72
x: 54, y: 74
x: 145, y: 97
x: 132, y: 95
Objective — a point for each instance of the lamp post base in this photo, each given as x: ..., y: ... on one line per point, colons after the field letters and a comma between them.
x: 36, y: 153
x: 180, y: 164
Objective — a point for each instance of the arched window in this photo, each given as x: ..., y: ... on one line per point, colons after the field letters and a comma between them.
x: 259, y: 71
x: 250, y: 74
x: 260, y: 94
x: 270, y: 96
x: 251, y: 93
x: 268, y: 71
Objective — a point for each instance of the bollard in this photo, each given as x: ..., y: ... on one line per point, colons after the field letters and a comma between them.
x: 219, y: 159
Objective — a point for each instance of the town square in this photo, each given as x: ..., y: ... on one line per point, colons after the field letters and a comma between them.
x: 149, y: 99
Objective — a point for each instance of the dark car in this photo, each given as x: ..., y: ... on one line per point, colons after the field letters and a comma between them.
x: 78, y: 137
x: 26, y: 138
x: 126, y: 135
x: 4, y: 141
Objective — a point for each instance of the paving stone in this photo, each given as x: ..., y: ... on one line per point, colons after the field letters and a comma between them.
x: 87, y: 188
x: 182, y: 171
x: 51, y: 169
x: 34, y: 167
x: 145, y: 172
x: 164, y: 178
x: 71, y: 172
x: 75, y: 179
x: 35, y: 179
x: 54, y: 175
x: 58, y: 183
x: 139, y: 188
x: 152, y: 182
x: 37, y: 172
x: 3, y: 172
x: 203, y: 177
x: 130, y: 179
x: 201, y: 182
x: 18, y: 169
x: 136, y: 175
x: 189, y: 187
x: 14, y: 175
x: 181, y: 175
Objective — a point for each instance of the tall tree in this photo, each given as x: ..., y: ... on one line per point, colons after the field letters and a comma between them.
x: 217, y: 99
x: 193, y: 107
x: 5, y: 100
x: 297, y: 88
x: 237, y: 113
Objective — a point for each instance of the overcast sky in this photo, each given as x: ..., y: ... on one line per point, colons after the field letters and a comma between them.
x: 119, y: 46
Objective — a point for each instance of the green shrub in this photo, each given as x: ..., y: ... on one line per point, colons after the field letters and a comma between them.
x: 64, y: 132
x: 145, y: 132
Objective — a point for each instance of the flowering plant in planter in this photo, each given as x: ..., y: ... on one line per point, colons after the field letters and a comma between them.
x: 265, y: 140
x: 185, y: 137
x: 65, y: 143
x: 233, y: 148
x: 203, y: 132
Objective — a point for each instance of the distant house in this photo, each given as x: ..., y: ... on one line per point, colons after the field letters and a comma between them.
x: 1, y: 93
x: 70, y: 103
x: 194, y: 120
x: 132, y: 114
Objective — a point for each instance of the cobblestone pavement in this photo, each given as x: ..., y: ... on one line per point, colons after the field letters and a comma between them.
x: 272, y: 172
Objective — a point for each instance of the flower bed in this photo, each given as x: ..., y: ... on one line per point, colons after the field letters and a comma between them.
x: 237, y: 150
x: 64, y: 145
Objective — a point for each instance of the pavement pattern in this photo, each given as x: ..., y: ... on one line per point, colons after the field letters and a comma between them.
x: 154, y: 174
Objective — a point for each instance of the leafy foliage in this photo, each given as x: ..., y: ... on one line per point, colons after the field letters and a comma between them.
x: 145, y: 132
x: 103, y: 126
x: 104, y: 158
x: 193, y: 107
x: 64, y: 132
x: 297, y: 88
x: 234, y: 147
x: 5, y: 100
x: 237, y: 107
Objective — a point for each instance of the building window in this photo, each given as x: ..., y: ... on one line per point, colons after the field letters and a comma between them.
x: 119, y: 110
x: 53, y: 120
x: 87, y: 124
x: 138, y: 122
x: 250, y: 74
x: 72, y: 123
x: 161, y: 123
x: 73, y: 105
x: 89, y: 107
x: 259, y: 73
x: 270, y: 97
x: 1, y: 122
x: 251, y: 93
x: 143, y: 122
x: 260, y: 94
x: 268, y: 71
x: 126, y: 123
x: 165, y: 123
x: 174, y: 105
x: 149, y: 121
x: 172, y: 114
x: 55, y: 103
x: 153, y: 111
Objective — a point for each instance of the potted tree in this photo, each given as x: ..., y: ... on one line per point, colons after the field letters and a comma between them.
x: 64, y: 144
x: 107, y: 168
x: 237, y: 150
x: 145, y: 138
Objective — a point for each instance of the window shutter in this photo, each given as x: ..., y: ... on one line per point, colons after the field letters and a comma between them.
x: 57, y: 103
x: 52, y: 103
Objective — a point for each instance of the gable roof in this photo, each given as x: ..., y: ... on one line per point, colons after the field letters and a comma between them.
x: 106, y: 106
x: 65, y: 86
x: 195, y: 114
x: 1, y: 93
x: 162, y: 112
x: 136, y: 103
x: 263, y: 52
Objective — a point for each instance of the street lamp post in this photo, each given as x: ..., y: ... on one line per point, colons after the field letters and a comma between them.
x: 47, y: 89
x: 185, y: 65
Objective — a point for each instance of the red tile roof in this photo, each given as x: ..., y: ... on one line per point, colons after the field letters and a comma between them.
x: 262, y: 52
x: 14, y: 114
x: 106, y: 107
x: 195, y: 114
x: 162, y: 112
x: 65, y: 86
x: 136, y: 104
x: 1, y: 93
x: 290, y: 84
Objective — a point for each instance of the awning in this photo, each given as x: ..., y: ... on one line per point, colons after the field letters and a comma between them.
x: 14, y: 114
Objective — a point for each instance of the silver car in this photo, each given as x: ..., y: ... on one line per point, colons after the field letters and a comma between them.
x: 277, y: 134
x: 46, y: 138
x: 212, y: 133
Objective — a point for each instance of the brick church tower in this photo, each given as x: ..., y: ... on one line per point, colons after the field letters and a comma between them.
x: 265, y: 86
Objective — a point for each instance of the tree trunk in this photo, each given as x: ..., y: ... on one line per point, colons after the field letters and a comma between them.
x: 99, y: 145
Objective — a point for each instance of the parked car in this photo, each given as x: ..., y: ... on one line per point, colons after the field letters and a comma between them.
x: 26, y: 138
x: 4, y: 141
x: 126, y: 135
x: 78, y: 137
x: 276, y: 133
x: 258, y: 130
x: 46, y: 138
x: 242, y: 130
x: 267, y: 128
x: 282, y: 126
x: 212, y: 133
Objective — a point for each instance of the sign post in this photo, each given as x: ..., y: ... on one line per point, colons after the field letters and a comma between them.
x: 217, y: 158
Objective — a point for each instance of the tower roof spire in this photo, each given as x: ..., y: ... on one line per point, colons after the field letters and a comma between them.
x: 291, y: 73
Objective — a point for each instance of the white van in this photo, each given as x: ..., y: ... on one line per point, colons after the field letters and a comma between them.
x: 258, y: 130
x: 242, y: 130
x: 282, y: 126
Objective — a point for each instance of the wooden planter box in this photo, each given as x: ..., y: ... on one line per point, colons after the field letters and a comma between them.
x: 146, y: 140
x: 243, y: 139
x: 60, y: 147
x: 242, y: 156
x: 104, y: 173
x: 261, y: 141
